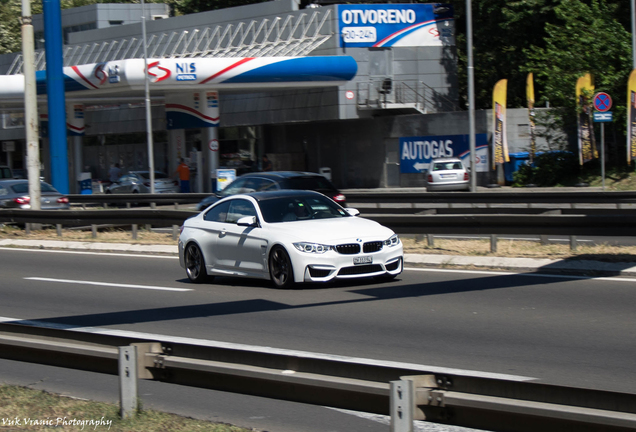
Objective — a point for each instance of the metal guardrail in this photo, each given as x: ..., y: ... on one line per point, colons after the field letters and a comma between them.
x: 404, y: 199
x: 486, y: 402
x: 603, y: 224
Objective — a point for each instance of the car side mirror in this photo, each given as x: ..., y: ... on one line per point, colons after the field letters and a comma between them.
x: 353, y: 211
x: 247, y: 221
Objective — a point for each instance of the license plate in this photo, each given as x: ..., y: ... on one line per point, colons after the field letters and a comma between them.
x: 449, y: 176
x: 363, y: 260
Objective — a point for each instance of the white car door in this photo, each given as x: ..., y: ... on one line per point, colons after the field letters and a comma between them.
x: 211, y: 227
x: 241, y: 249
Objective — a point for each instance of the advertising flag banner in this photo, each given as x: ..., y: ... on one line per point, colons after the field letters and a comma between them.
x: 530, y: 98
x: 499, y: 140
x: 631, y: 117
x: 587, y: 143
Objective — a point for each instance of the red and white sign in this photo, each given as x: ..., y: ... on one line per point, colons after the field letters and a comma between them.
x: 213, y: 145
x: 349, y: 94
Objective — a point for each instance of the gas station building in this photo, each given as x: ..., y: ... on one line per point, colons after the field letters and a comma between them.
x: 365, y: 93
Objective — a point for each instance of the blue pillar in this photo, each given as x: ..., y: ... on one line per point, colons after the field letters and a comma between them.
x: 55, y: 94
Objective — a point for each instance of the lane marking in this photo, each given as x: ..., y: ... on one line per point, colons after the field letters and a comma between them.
x: 107, y: 284
x: 117, y: 254
x: 259, y: 349
x: 503, y: 273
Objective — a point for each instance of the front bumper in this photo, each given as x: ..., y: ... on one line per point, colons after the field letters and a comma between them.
x: 332, y: 265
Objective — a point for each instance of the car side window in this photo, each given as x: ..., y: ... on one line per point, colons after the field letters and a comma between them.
x: 218, y: 213
x: 239, y: 209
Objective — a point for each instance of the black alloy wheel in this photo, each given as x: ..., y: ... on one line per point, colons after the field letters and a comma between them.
x: 195, y: 264
x: 280, y: 268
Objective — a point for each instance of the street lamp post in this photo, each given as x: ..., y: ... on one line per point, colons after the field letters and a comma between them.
x: 30, y: 107
x: 471, y: 95
x: 151, y: 153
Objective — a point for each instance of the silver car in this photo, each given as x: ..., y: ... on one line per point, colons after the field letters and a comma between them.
x: 15, y: 194
x: 447, y: 174
x: 139, y: 182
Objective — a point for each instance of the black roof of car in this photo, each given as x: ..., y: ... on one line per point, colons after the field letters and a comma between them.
x: 281, y: 174
x: 264, y: 196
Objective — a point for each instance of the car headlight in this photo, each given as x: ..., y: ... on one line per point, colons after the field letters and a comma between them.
x: 312, y: 247
x: 393, y: 241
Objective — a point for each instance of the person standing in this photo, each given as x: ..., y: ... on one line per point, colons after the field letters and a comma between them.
x: 114, y: 173
x: 183, y: 171
x: 267, y: 164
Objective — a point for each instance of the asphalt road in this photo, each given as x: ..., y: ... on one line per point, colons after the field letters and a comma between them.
x: 561, y: 330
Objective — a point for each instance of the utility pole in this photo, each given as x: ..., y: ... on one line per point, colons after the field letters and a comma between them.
x: 471, y: 96
x: 151, y: 153
x: 30, y: 107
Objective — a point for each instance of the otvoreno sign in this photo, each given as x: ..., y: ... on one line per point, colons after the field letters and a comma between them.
x: 396, y: 25
x: 416, y: 153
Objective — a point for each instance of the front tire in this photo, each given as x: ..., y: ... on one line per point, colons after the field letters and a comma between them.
x: 195, y: 264
x: 280, y: 268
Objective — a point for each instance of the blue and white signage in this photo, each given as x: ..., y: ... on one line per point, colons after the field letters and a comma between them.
x: 396, y: 25
x: 416, y: 153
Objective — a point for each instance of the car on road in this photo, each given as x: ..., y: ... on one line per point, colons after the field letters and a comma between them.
x: 287, y: 237
x: 15, y: 194
x: 5, y: 172
x: 276, y: 180
x: 139, y: 182
x: 447, y: 174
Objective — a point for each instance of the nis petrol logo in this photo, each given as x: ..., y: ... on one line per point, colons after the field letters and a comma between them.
x: 183, y: 72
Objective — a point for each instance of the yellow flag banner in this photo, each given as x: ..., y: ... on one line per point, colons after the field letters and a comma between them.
x: 587, y: 143
x: 499, y: 140
x: 530, y: 98
x: 631, y: 117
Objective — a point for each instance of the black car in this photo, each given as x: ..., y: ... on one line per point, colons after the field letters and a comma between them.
x: 277, y: 180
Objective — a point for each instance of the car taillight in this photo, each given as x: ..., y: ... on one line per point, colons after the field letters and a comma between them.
x: 430, y: 178
x: 22, y: 200
x: 465, y: 176
x: 63, y: 200
x: 339, y: 198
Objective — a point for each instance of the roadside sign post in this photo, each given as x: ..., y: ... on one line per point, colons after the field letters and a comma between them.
x: 602, y: 104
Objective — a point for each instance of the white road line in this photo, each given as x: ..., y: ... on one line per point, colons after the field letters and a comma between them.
x: 502, y: 273
x: 261, y: 349
x: 69, y: 281
x: 127, y: 255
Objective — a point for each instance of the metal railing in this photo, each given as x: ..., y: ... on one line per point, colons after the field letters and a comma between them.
x: 405, y: 392
x: 291, y: 35
x: 415, y: 95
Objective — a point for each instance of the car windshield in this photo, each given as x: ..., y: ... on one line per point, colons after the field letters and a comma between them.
x: 299, y: 207
x: 24, y: 188
x: 442, y: 166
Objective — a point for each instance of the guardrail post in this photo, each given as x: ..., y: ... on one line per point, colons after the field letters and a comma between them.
x: 493, y: 243
x: 58, y: 228
x: 134, y: 231
x: 128, y: 380
x: 544, y: 239
x: 573, y: 243
x: 175, y: 231
x: 94, y: 231
x: 402, y: 405
x: 27, y: 228
x: 430, y: 240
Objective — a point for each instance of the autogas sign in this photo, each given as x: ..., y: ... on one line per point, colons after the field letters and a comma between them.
x: 396, y: 25
x: 416, y: 153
